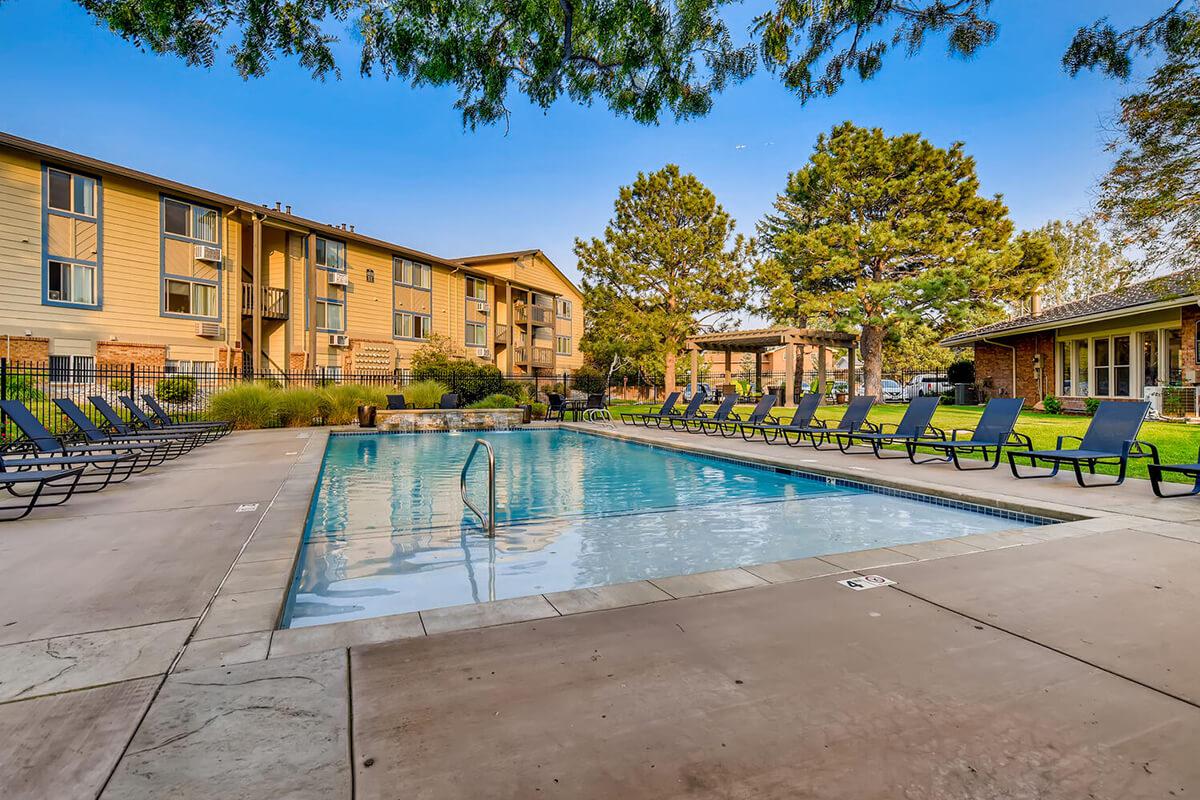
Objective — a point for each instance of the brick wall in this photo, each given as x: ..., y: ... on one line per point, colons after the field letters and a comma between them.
x: 1187, y: 355
x: 994, y: 363
x: 297, y: 362
x: 151, y: 356
x: 26, y: 348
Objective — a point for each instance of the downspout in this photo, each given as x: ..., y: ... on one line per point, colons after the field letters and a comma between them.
x: 985, y: 340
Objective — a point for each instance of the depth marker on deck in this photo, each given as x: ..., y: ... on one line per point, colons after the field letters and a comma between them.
x: 866, y: 582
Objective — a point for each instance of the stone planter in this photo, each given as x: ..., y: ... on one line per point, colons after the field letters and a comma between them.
x: 449, y: 419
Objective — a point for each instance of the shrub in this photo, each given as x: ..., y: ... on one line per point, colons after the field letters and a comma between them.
x: 495, y: 401
x: 517, y: 390
x: 425, y: 394
x: 119, y: 385
x: 298, y: 406
x: 179, y: 389
x: 340, y: 402
x: 1090, y: 405
x: 23, y: 388
x: 589, y: 380
x: 538, y: 410
x: 946, y: 398
x: 246, y: 405
x: 1052, y: 404
x: 962, y: 371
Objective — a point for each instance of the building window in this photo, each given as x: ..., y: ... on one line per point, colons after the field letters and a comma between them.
x: 476, y: 289
x: 72, y: 234
x: 196, y: 368
x: 331, y: 254
x: 72, y: 369
x: 191, y: 298
x: 1120, y: 358
x: 411, y: 273
x: 476, y: 334
x: 71, y: 283
x: 1174, y: 357
x: 410, y: 326
x: 332, y: 374
x: 331, y: 315
x: 1101, y: 367
x: 563, y: 308
x: 562, y: 345
x: 190, y: 221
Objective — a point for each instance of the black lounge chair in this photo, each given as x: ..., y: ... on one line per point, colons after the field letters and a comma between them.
x: 38, y: 479
x: 917, y: 420
x: 168, y: 445
x: 395, y: 402
x: 167, y: 422
x: 690, y: 412
x: 191, y: 434
x: 993, y: 433
x: 449, y: 400
x: 760, y: 415
x: 723, y: 413
x: 803, y: 418
x: 1157, y: 473
x: 1111, y: 438
x: 667, y: 409
x: 556, y: 407
x: 852, y: 421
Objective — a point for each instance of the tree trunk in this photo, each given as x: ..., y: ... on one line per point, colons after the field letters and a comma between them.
x: 669, y: 371
x: 871, y: 342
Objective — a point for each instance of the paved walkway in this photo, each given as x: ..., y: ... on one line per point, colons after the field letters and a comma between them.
x: 1067, y: 666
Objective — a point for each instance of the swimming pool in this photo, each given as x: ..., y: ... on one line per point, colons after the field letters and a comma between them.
x: 388, y: 531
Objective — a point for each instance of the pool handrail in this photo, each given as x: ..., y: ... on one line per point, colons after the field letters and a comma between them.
x: 488, y: 524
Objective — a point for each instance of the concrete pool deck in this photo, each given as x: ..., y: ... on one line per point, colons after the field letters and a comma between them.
x: 138, y: 656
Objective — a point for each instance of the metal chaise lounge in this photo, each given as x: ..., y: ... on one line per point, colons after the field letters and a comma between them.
x: 667, y: 409
x: 39, y: 479
x: 853, y: 421
x: 803, y: 418
x: 917, y: 420
x: 1111, y: 438
x: 760, y: 414
x: 167, y: 422
x: 723, y: 413
x: 174, y: 444
x: 690, y: 411
x: 1157, y: 475
x: 993, y: 433
x: 142, y: 422
x: 169, y: 445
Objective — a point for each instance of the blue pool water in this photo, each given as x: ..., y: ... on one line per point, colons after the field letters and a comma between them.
x: 388, y: 531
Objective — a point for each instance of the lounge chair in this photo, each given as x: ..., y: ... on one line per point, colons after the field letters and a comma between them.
x: 199, y: 432
x: 168, y: 445
x: 38, y: 479
x: 917, y: 420
x: 1111, y: 438
x: 724, y: 413
x: 853, y: 420
x: 167, y: 422
x: 690, y: 412
x: 556, y: 407
x: 993, y: 433
x: 395, y: 402
x: 667, y: 409
x: 761, y: 414
x: 1157, y: 472
x: 449, y: 400
x: 803, y: 418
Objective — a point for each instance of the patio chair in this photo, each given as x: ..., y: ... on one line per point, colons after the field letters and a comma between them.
x: 690, y: 411
x: 188, y: 436
x: 169, y: 444
x: 668, y: 408
x: 993, y: 433
x: 38, y: 479
x: 761, y: 413
x: 395, y: 402
x: 1157, y: 475
x: 556, y: 406
x: 449, y: 400
x: 1111, y: 438
x: 853, y: 420
x: 803, y: 418
x: 166, y: 421
x: 724, y: 413
x: 917, y: 420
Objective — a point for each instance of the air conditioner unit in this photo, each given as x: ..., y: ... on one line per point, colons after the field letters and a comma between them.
x: 210, y: 330
x: 339, y: 279
x: 483, y: 352
x: 339, y: 340
x: 483, y: 309
x: 54, y: 295
x: 206, y: 252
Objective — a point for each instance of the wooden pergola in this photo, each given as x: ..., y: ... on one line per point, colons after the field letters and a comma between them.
x: 794, y: 341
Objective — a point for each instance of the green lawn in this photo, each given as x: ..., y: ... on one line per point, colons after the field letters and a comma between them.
x: 1177, y: 443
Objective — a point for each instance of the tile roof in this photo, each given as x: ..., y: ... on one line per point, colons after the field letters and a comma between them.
x: 1183, y: 286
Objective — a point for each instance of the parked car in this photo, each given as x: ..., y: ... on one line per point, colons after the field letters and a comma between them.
x: 893, y: 392
x: 925, y: 386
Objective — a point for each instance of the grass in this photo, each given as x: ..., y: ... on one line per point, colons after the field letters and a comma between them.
x: 1177, y: 443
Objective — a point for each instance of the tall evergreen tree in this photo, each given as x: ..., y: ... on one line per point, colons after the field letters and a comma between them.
x: 876, y: 231
x: 669, y: 265
x: 1088, y: 262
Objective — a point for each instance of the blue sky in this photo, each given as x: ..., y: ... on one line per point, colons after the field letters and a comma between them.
x: 397, y: 163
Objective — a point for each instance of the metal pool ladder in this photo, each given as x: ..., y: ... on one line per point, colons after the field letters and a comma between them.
x: 489, y: 522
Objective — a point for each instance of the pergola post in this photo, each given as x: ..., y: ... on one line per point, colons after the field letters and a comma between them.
x: 757, y: 368
x: 728, y: 367
x: 850, y: 370
x: 821, y: 368
x: 789, y: 371
x: 695, y: 368
x: 801, y: 351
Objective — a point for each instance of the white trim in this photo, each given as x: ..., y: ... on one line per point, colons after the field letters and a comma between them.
x: 1070, y: 322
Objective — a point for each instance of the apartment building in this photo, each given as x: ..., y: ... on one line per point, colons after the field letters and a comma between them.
x: 107, y: 265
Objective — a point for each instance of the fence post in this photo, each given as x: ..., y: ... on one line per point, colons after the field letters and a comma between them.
x: 3, y: 395
x: 132, y: 377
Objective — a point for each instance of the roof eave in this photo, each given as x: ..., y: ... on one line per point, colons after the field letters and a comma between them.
x: 1100, y: 316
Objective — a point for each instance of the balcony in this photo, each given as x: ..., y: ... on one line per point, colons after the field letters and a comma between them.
x: 538, y: 315
x: 521, y: 355
x: 543, y: 357
x: 501, y: 334
x: 274, y: 302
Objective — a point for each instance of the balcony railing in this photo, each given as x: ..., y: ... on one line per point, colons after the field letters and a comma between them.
x: 274, y: 302
x: 538, y: 315
x: 543, y: 357
x: 521, y: 355
x: 501, y: 334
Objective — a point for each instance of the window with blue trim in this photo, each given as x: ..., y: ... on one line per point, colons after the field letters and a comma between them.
x: 71, y: 227
x: 331, y: 254
x: 406, y: 325
x: 191, y: 259
x: 411, y: 273
x: 331, y: 315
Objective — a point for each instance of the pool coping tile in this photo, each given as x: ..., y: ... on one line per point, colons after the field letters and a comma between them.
x: 603, y: 598
x: 711, y: 582
x: 485, y: 615
x: 347, y: 633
